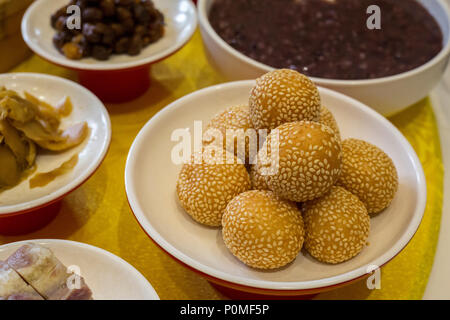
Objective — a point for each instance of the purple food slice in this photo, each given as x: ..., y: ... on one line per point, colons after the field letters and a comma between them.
x: 13, y: 287
x: 40, y: 268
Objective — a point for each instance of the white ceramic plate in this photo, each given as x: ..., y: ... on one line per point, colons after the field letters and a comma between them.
x: 180, y: 17
x: 91, y: 152
x: 108, y: 276
x: 150, y: 179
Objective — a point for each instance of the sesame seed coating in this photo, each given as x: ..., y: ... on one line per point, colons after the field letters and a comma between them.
x: 309, y: 160
x: 258, y: 181
x: 337, y: 226
x: 262, y: 230
x: 205, y: 189
x: 327, y: 118
x: 233, y: 118
x: 282, y: 96
x: 369, y: 173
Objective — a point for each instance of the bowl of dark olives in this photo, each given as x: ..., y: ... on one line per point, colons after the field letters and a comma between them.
x: 110, y: 43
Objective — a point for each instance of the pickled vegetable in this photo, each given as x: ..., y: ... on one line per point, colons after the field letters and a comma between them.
x: 9, y: 169
x: 28, y: 125
x: 42, y: 179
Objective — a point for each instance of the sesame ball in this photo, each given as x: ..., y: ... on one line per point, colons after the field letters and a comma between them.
x: 337, y: 226
x: 308, y: 164
x: 234, y: 118
x: 258, y: 181
x: 327, y: 118
x: 263, y: 230
x: 204, y: 189
x: 283, y: 96
x: 368, y: 173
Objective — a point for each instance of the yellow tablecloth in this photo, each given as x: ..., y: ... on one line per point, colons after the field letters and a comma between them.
x: 98, y: 212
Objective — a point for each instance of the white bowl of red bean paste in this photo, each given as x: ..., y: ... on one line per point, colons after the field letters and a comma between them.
x: 388, y: 54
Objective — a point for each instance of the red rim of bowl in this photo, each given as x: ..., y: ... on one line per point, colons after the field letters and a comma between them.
x: 279, y: 292
x: 12, y: 214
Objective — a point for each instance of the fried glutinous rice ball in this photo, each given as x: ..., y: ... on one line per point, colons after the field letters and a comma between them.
x: 258, y: 181
x: 236, y: 120
x: 205, y: 189
x: 368, y: 173
x: 308, y: 162
x: 262, y: 230
x: 337, y: 226
x: 327, y: 118
x: 283, y: 96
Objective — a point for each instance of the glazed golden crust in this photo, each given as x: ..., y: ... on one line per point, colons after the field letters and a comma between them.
x: 262, y: 230
x: 337, y: 226
x: 368, y: 173
x: 204, y: 190
x: 283, y: 96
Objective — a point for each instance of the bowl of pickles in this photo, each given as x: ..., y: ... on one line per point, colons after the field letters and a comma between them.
x: 54, y: 134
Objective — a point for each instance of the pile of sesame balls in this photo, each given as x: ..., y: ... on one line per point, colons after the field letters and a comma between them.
x: 320, y: 196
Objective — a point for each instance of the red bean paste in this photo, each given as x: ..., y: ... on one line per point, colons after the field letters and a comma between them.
x: 330, y: 38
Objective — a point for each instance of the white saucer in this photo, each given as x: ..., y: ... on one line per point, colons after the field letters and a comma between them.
x: 108, y: 276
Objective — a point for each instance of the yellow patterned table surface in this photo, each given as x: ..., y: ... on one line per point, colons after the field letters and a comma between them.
x: 98, y: 212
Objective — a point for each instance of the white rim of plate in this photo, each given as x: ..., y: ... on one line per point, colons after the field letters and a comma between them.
x: 276, y: 285
x: 86, y: 246
x: 99, y: 66
x: 79, y: 180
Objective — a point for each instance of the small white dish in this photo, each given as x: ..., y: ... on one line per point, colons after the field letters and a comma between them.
x: 387, y: 95
x: 151, y: 176
x: 108, y: 276
x: 180, y: 17
x: 91, y: 152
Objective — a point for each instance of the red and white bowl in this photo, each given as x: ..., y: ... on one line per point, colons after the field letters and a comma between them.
x: 122, y: 77
x: 387, y: 95
x: 23, y: 209
x: 108, y: 276
x: 151, y: 176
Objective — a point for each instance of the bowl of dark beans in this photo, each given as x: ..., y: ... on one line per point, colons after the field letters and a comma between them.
x: 108, y: 27
x: 110, y: 43
x: 388, y: 54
